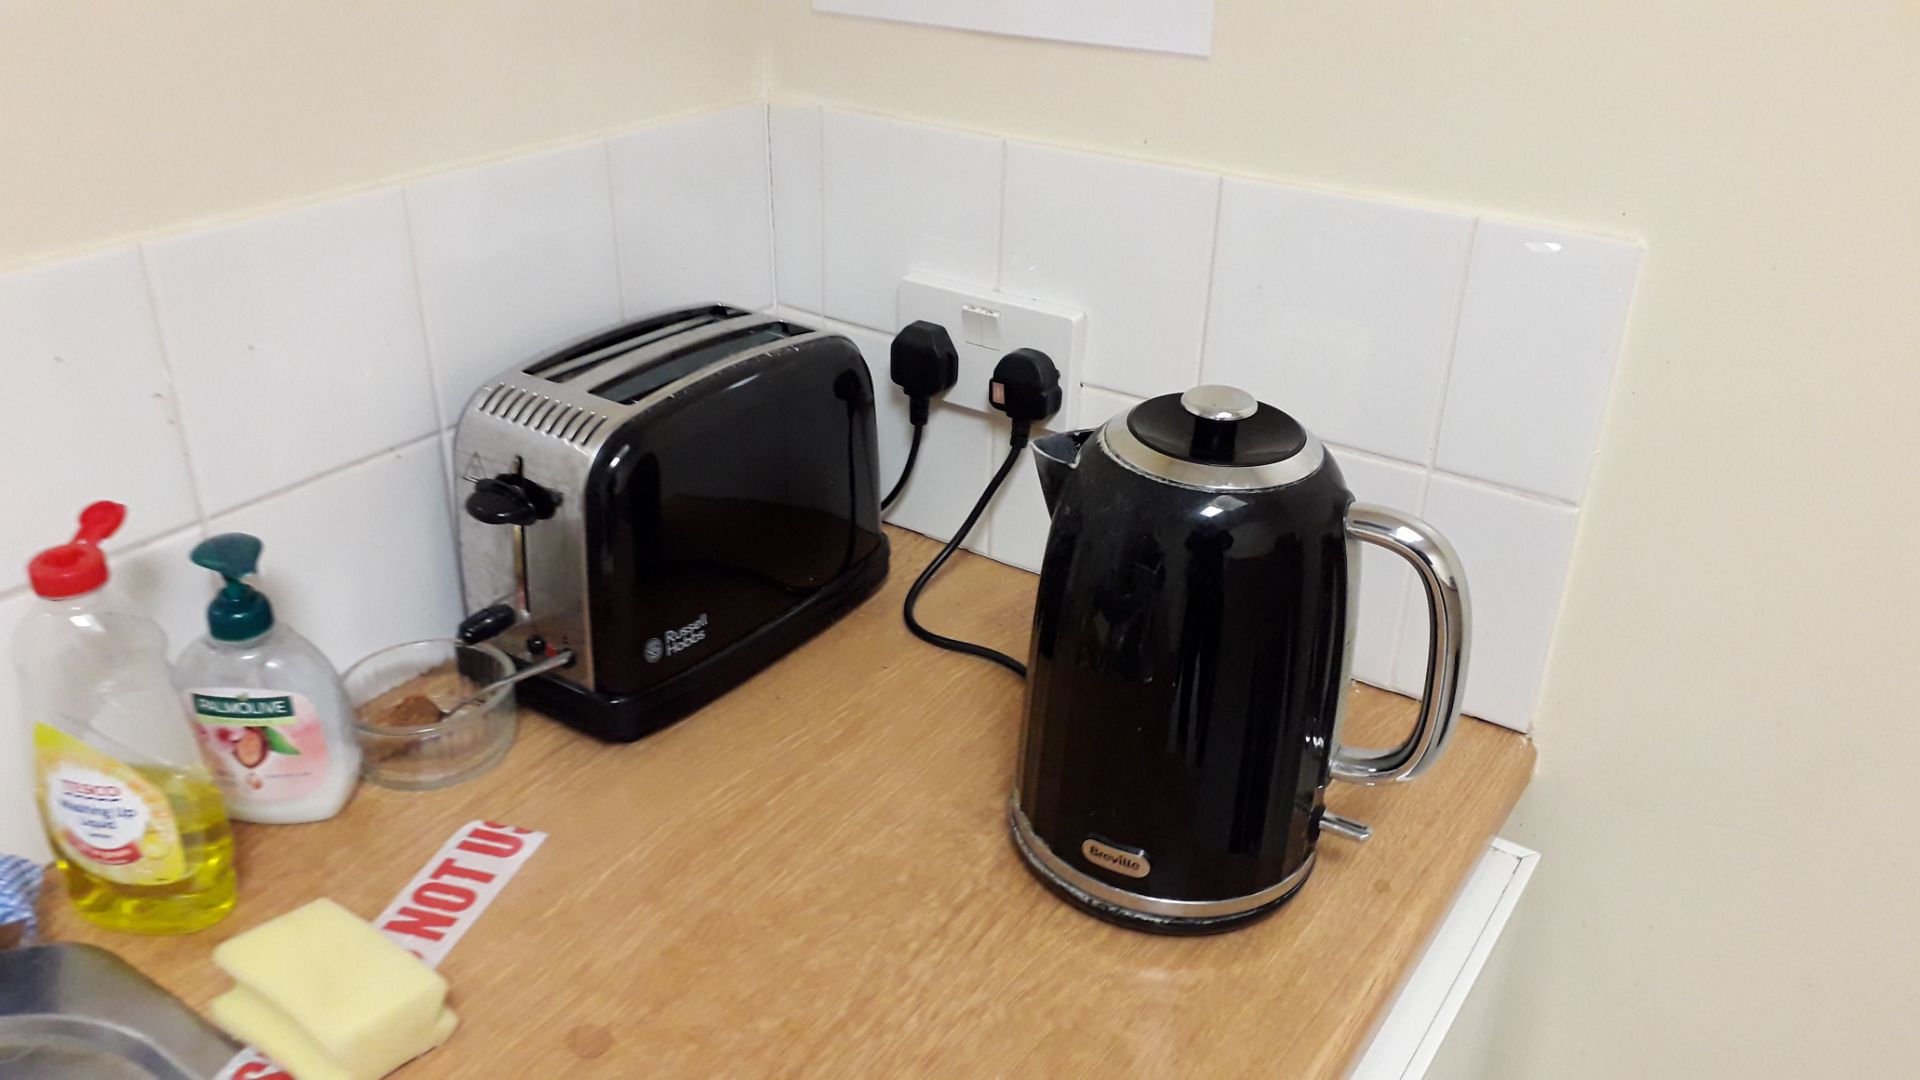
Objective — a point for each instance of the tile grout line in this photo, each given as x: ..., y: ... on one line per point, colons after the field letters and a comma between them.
x: 426, y: 334
x: 1551, y: 501
x: 119, y: 552
x: 420, y: 303
x: 1114, y: 390
x: 1369, y: 455
x: 427, y: 341
x: 329, y: 473
x: 773, y: 240
x: 1453, y: 351
x: 1000, y: 220
x: 613, y: 224
x: 1426, y: 473
x: 175, y: 402
x: 1432, y: 469
x: 1213, y: 274
x: 820, y: 198
x: 1390, y: 676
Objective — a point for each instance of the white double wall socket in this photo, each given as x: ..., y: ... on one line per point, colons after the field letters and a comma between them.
x: 986, y: 325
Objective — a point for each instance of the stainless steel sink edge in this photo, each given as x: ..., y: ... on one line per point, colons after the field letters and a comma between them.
x: 78, y: 1011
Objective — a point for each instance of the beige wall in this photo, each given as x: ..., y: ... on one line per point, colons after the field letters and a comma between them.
x: 124, y: 119
x: 1729, y: 872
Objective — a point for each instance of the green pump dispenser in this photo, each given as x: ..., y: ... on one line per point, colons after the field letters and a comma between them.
x: 239, y: 612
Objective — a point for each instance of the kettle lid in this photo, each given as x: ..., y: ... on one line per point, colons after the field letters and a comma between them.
x: 1215, y: 437
x: 1217, y: 425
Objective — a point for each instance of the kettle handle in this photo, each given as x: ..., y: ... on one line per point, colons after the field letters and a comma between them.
x: 1448, y: 624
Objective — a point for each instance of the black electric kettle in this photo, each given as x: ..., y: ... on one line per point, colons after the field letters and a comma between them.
x: 1191, y: 644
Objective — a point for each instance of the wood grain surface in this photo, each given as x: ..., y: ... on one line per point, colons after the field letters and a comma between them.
x: 812, y: 876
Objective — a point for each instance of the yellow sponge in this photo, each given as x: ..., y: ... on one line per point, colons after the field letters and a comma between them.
x: 329, y: 997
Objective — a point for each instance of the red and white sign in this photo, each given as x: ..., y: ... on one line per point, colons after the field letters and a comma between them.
x: 251, y: 1064
x: 445, y: 899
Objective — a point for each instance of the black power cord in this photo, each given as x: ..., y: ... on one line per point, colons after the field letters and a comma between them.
x: 923, y: 363
x: 913, y: 455
x: 1026, y: 386
x: 1019, y: 443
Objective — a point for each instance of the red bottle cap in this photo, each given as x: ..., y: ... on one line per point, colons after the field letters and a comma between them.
x: 78, y: 566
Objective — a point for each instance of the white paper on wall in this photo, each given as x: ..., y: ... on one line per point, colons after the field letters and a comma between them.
x: 1175, y: 26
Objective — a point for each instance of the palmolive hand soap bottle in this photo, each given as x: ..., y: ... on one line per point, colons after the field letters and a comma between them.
x: 132, y: 814
x: 273, y: 719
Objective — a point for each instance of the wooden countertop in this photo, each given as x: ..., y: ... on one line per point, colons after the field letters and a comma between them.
x: 813, y: 876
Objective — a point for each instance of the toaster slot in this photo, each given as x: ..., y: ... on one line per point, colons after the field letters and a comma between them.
x: 583, y: 356
x: 631, y: 386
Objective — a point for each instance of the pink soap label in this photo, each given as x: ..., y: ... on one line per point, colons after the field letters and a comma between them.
x: 262, y: 745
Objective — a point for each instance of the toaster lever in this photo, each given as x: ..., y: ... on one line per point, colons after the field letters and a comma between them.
x: 488, y: 622
x: 508, y: 499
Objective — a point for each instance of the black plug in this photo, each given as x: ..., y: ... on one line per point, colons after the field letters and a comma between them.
x: 1025, y: 386
x: 924, y: 363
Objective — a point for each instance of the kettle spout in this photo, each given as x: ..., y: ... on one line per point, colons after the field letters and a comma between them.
x: 1055, y: 457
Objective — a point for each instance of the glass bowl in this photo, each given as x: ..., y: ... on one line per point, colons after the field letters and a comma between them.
x: 402, y: 744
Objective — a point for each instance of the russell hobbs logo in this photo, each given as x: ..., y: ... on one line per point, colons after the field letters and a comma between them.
x: 673, y: 641
x: 1129, y: 861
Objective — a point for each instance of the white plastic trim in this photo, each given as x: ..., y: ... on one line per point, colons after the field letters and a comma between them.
x: 1420, y: 1017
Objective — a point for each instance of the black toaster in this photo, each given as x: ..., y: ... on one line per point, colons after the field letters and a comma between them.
x: 677, y: 501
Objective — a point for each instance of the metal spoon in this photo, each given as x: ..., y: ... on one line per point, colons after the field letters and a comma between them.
x: 553, y: 662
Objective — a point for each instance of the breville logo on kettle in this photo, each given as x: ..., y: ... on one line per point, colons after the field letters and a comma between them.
x: 1129, y: 861
x: 674, y: 641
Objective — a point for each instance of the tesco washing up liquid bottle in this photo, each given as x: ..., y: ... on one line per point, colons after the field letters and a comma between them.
x: 134, y: 818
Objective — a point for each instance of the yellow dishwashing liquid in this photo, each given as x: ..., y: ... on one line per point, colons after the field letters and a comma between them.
x: 135, y: 821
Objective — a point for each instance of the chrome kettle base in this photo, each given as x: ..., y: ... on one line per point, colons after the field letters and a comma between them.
x: 1136, y: 911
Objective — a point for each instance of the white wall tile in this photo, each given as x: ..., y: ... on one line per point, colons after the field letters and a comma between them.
x: 159, y: 579
x: 19, y: 821
x: 793, y: 138
x: 1338, y: 310
x: 1099, y: 405
x: 1539, y: 331
x: 295, y: 343
x: 952, y: 471
x: 691, y: 205
x: 902, y: 197
x: 90, y: 413
x: 1515, y: 552
x: 515, y: 257
x: 362, y: 558
x: 1384, y: 577
x: 1129, y: 243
